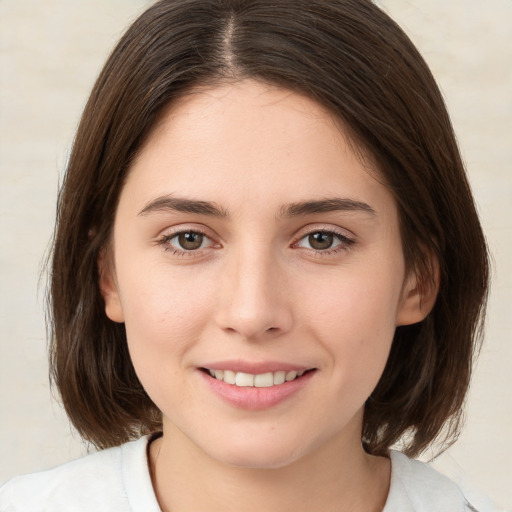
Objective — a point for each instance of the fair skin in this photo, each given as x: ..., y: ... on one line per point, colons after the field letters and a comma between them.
x: 249, y: 239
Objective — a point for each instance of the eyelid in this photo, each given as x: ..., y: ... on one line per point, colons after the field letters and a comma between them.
x: 324, y: 228
x: 173, y: 231
x: 186, y: 228
x: 346, y: 238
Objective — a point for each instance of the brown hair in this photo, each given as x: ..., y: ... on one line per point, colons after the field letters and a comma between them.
x: 353, y: 59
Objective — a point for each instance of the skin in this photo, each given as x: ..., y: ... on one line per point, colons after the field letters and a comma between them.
x: 259, y: 289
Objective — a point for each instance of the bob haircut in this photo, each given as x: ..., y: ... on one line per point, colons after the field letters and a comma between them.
x: 355, y: 61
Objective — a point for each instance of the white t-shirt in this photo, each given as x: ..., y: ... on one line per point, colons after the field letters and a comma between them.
x: 118, y: 480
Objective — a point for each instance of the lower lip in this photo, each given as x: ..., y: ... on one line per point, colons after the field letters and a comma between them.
x: 256, y: 399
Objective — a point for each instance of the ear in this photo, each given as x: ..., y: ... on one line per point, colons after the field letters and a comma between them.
x: 419, y: 294
x: 108, y: 287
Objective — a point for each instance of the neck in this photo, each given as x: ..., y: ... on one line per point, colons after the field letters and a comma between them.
x: 337, y: 477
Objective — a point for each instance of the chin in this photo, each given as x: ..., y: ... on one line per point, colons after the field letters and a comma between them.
x: 264, y: 454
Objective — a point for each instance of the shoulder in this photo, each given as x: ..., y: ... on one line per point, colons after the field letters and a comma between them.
x: 101, y: 481
x: 416, y: 487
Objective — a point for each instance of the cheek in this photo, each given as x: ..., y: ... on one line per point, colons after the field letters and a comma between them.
x: 357, y: 303
x: 164, y: 318
x: 165, y: 312
x: 355, y: 321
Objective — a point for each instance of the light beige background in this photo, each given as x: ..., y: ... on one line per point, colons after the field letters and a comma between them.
x: 50, y: 54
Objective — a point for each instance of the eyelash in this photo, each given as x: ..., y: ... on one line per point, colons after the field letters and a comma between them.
x: 345, y: 243
x: 164, y: 241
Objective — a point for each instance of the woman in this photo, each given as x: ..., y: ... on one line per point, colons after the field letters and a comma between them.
x: 258, y: 264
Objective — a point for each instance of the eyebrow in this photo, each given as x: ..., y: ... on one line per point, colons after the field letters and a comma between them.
x: 178, y: 204
x: 335, y: 204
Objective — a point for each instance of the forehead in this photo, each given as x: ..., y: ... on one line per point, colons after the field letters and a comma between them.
x: 251, y: 108
x: 247, y: 139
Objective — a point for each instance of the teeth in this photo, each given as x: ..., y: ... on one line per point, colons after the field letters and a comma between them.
x: 264, y: 380
x: 229, y: 377
x: 290, y: 376
x: 261, y: 380
x: 244, y: 379
x: 279, y: 377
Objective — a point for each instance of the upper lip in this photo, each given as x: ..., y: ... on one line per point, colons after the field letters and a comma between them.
x: 254, y: 368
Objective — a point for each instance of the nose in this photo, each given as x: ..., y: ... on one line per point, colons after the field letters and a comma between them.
x: 254, y: 302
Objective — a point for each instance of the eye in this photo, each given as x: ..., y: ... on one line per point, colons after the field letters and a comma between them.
x: 321, y: 241
x: 188, y: 242
x: 324, y: 241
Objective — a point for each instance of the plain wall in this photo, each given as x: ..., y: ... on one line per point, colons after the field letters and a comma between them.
x: 50, y: 55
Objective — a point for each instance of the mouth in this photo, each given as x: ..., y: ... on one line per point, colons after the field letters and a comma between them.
x: 259, y: 380
x: 255, y: 386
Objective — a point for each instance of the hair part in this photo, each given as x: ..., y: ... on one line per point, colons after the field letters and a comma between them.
x: 355, y: 61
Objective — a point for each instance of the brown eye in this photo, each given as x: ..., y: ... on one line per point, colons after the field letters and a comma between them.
x: 190, y: 240
x: 325, y: 242
x: 321, y: 241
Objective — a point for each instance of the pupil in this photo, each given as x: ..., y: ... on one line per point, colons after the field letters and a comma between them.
x: 190, y: 241
x: 321, y: 240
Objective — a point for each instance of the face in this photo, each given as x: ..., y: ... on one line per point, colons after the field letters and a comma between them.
x: 258, y: 268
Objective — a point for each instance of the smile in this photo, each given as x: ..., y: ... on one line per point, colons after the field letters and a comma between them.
x: 260, y: 380
x: 255, y: 386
